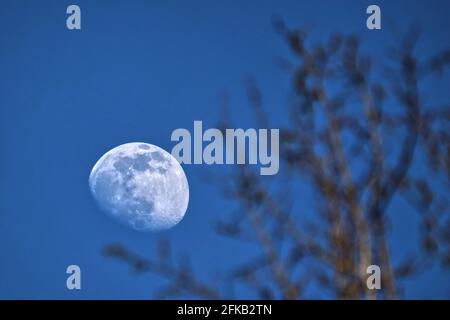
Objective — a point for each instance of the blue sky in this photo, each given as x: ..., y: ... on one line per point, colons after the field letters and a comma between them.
x: 136, y: 71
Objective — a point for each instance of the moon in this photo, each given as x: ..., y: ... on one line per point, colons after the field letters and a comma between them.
x: 141, y: 186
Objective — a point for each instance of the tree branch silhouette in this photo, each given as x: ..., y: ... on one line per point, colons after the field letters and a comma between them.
x: 357, y: 128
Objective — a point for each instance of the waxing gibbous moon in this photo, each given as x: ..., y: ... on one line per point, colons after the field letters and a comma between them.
x: 140, y: 185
